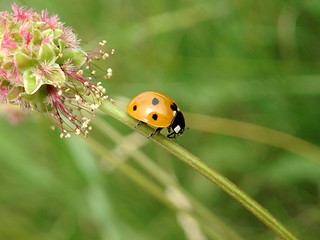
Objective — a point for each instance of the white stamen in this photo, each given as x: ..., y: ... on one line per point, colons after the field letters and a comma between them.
x: 105, y: 56
x: 77, y: 97
x: 80, y: 72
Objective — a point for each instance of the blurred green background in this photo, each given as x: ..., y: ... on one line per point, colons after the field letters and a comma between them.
x: 252, y: 61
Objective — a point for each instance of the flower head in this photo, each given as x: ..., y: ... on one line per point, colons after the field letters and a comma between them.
x: 42, y: 67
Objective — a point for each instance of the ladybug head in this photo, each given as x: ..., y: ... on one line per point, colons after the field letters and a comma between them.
x: 178, y: 125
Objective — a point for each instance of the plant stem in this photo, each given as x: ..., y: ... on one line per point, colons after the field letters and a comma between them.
x: 211, y: 223
x: 226, y: 185
x: 254, y: 133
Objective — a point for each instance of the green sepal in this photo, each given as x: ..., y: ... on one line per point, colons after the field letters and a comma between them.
x: 46, y: 53
x: 37, y: 100
x: 23, y: 61
x: 30, y: 82
x: 57, y: 33
x: 37, y: 37
x: 14, y: 93
x: 48, y: 33
x: 7, y: 65
x: 62, y: 45
x: 76, y: 56
x: 56, y: 76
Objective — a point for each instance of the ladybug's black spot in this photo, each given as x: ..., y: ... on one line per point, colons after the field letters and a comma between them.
x: 134, y: 107
x: 174, y: 107
x: 155, y: 117
x: 155, y: 101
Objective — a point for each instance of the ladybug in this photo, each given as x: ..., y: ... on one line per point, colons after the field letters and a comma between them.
x: 157, y: 110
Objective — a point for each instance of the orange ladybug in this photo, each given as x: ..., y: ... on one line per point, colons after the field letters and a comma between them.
x: 157, y: 110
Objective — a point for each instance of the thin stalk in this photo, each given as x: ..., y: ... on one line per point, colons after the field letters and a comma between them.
x: 254, y: 133
x: 209, y: 221
x: 255, y: 208
x: 133, y: 174
x: 143, y: 182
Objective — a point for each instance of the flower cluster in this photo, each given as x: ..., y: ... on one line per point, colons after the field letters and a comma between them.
x: 42, y: 67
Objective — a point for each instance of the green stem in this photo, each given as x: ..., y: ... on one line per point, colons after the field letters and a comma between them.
x: 254, y: 133
x: 212, y: 224
x: 255, y: 208
x: 152, y: 188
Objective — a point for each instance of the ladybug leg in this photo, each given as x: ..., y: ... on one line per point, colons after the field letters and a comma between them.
x: 138, y: 124
x: 155, y: 132
x: 172, y: 135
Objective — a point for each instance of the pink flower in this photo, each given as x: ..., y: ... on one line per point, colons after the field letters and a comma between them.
x: 51, y: 21
x: 42, y: 67
x: 21, y: 13
x: 3, y: 93
x: 25, y: 33
x: 7, y: 42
